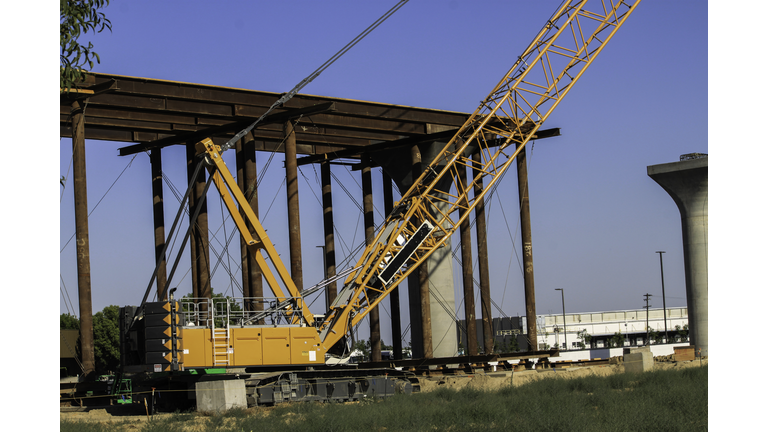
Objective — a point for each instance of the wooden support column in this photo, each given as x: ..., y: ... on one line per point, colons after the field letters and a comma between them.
x: 292, y: 188
x: 525, y: 230
x: 82, y: 238
x: 482, y: 257
x: 245, y: 158
x: 394, y: 295
x: 426, y: 313
x: 158, y: 217
x: 466, y: 270
x: 370, y: 232
x: 199, y: 255
x: 330, y: 246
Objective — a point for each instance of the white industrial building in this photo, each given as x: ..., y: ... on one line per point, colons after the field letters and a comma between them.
x: 603, y: 327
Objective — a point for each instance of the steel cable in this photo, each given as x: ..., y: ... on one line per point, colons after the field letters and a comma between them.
x: 287, y: 96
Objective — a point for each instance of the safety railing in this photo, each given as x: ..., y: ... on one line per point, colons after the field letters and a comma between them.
x: 223, y: 312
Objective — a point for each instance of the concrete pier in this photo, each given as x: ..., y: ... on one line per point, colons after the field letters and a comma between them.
x: 432, y: 330
x: 687, y: 183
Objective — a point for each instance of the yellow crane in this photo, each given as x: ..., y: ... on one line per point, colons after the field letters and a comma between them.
x: 426, y: 216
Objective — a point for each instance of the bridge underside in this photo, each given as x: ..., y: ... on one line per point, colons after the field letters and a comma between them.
x: 149, y: 114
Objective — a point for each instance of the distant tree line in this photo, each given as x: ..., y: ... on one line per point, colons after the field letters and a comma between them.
x: 106, y: 337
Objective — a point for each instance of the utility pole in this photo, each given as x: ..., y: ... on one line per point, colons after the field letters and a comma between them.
x: 565, y: 334
x: 647, y: 313
x: 663, y: 296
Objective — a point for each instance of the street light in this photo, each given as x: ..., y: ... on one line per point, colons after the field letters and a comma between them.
x: 565, y: 333
x: 663, y: 297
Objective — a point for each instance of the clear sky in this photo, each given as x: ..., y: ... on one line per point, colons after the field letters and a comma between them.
x: 597, y: 218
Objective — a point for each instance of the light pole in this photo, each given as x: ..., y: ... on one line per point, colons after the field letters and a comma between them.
x: 663, y: 297
x: 647, y: 313
x: 565, y: 334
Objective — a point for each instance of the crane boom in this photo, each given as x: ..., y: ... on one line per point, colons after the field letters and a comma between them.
x: 426, y: 216
x: 505, y: 121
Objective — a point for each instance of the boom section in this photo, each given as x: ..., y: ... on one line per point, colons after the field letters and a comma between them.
x: 257, y: 242
x: 505, y: 121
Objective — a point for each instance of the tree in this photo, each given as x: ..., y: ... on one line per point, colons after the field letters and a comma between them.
x: 617, y: 339
x: 364, y: 346
x: 508, y: 345
x: 653, y: 336
x: 407, y: 351
x: 658, y: 338
x: 219, y: 299
x: 106, y: 339
x: 545, y: 335
x: 584, y: 339
x: 683, y: 332
x: 69, y: 322
x: 76, y: 18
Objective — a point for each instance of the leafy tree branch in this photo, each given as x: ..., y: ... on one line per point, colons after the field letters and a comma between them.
x: 78, y: 17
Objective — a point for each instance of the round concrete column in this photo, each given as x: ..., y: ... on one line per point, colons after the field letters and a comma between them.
x: 439, y: 265
x: 687, y: 183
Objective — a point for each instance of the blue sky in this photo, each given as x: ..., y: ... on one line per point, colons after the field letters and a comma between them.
x: 598, y: 219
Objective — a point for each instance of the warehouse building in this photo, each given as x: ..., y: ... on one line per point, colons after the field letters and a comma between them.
x: 589, y: 330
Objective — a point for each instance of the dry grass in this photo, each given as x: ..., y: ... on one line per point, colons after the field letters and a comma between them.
x: 667, y: 399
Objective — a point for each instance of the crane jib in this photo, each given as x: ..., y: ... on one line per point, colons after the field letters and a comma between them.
x: 399, y: 260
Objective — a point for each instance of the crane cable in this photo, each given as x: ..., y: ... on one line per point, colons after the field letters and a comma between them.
x: 100, y: 200
x: 287, y: 96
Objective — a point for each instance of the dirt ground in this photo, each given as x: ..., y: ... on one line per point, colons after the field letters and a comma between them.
x: 492, y: 381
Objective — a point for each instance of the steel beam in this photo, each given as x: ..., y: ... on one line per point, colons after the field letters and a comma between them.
x: 228, y: 128
x: 404, y: 142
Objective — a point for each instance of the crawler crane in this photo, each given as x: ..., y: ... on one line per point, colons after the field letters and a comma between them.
x: 279, y: 343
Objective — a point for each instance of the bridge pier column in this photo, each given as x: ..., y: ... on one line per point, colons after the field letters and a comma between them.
x: 687, y: 183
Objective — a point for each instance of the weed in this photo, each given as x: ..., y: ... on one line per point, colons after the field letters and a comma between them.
x: 177, y: 422
x: 80, y: 426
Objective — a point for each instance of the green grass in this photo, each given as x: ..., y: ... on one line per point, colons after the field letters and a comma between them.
x: 668, y: 400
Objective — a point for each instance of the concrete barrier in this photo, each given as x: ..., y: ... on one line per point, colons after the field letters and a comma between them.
x: 638, y: 360
x: 220, y: 396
